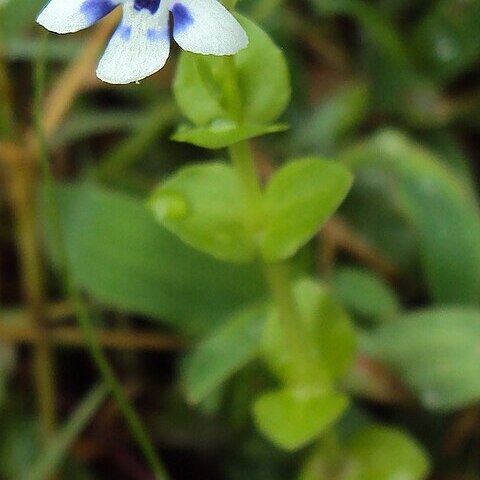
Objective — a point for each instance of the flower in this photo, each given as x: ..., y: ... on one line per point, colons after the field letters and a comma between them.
x: 141, y: 43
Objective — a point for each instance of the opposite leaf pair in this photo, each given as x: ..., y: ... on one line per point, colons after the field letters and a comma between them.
x: 204, y: 206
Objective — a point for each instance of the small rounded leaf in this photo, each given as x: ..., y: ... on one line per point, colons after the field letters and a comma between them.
x: 300, y: 197
x: 203, y: 205
x: 291, y: 418
x: 372, y: 452
x: 382, y: 453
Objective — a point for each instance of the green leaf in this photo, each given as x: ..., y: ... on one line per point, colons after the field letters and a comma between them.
x: 395, y: 77
x: 16, y: 18
x: 203, y: 205
x: 365, y: 294
x: 334, y: 119
x: 122, y: 257
x: 224, y: 352
x: 223, y: 133
x: 373, y: 452
x: 436, y: 352
x: 58, y: 448
x: 291, y: 418
x: 439, y: 205
x: 446, y: 41
x: 197, y: 88
x: 327, y: 326
x: 299, y: 198
x: 378, y: 25
x: 201, y: 83
x: 385, y: 454
x: 451, y: 151
x: 371, y: 209
x: 263, y: 77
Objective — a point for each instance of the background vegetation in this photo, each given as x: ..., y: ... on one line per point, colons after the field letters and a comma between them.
x: 388, y: 87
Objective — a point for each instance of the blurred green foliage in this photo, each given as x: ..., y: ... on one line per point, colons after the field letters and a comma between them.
x: 387, y: 88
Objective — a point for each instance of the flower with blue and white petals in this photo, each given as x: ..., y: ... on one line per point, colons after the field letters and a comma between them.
x: 141, y: 44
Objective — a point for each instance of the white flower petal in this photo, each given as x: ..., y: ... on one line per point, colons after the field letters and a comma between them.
x: 139, y: 47
x: 67, y: 16
x: 207, y: 27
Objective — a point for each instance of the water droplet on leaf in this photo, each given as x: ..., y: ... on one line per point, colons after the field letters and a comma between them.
x: 170, y: 206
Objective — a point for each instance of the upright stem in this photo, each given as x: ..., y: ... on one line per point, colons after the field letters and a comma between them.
x: 133, y: 420
x: 232, y: 91
x: 279, y: 280
x: 242, y: 161
x: 277, y: 274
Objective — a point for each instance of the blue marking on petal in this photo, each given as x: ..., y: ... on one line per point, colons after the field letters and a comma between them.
x: 94, y: 10
x: 151, y: 5
x: 124, y: 32
x: 182, y: 18
x: 155, y: 35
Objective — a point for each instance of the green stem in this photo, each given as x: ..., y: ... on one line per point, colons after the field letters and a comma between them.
x: 242, y: 161
x: 277, y: 274
x: 131, y: 417
x: 232, y: 91
x: 279, y: 280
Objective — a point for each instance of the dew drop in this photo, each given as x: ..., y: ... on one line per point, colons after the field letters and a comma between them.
x: 170, y: 206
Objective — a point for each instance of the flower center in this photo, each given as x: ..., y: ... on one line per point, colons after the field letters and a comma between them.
x: 150, y: 5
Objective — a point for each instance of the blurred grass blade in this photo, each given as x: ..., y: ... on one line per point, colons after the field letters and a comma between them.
x: 94, y: 123
x: 59, y: 446
x: 20, y: 48
x: 333, y: 121
x: 123, y: 156
x: 435, y: 352
x: 378, y: 25
x: 438, y: 204
x: 365, y: 294
x: 446, y: 41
